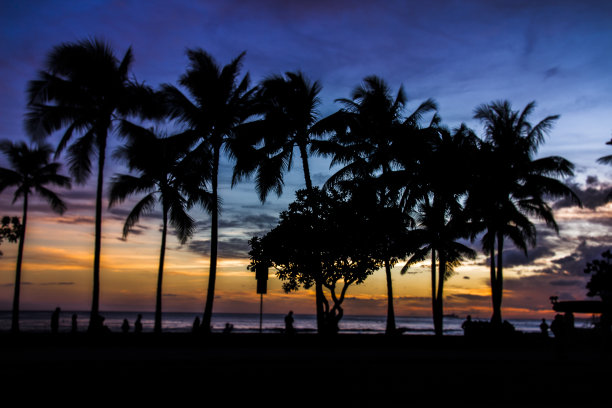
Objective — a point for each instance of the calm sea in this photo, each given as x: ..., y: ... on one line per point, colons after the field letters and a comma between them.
x: 250, y: 323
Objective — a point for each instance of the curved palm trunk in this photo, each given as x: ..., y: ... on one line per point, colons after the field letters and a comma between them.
x: 498, y: 288
x: 15, y: 315
x: 94, y: 322
x: 439, y: 312
x: 214, y: 239
x: 319, y: 296
x: 391, y: 329
x: 434, y: 291
x: 162, y: 254
x: 304, y: 156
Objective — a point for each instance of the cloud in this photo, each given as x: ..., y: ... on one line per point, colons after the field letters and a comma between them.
x: 228, y: 248
x: 594, y: 194
x: 575, y: 263
x: 515, y: 257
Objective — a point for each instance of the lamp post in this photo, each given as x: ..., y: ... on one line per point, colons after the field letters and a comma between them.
x: 261, y: 275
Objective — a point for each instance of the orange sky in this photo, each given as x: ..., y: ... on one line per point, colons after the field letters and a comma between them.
x: 57, y: 272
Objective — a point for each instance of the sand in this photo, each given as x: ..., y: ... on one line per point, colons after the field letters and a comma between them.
x: 307, y: 369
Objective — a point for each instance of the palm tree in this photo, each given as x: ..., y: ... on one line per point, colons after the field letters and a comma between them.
x: 32, y: 172
x: 288, y: 106
x: 83, y: 89
x: 368, y: 132
x: 435, y: 195
x: 218, y: 105
x: 511, y: 185
x: 167, y: 176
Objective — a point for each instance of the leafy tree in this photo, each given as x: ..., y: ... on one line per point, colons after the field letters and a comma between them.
x: 600, y: 285
x: 84, y: 89
x: 32, y: 172
x: 368, y: 133
x: 511, y: 185
x: 167, y: 176
x: 319, y: 239
x: 10, y: 229
x: 219, y: 104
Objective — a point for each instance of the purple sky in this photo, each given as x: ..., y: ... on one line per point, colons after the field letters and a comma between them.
x: 461, y: 53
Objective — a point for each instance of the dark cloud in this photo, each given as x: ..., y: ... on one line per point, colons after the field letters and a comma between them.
x: 516, y: 257
x: 593, y: 195
x: 76, y: 220
x: 243, y: 221
x: 227, y: 248
x: 57, y: 283
x: 575, y: 263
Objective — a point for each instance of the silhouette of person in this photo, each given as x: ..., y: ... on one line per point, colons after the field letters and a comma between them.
x: 74, y: 323
x: 467, y: 326
x: 558, y: 326
x: 544, y: 328
x: 125, y: 327
x: 289, y: 323
x: 228, y: 328
x: 55, y: 320
x: 196, y: 325
x: 138, y: 324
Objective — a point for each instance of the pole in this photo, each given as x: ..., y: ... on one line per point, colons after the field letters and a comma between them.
x: 260, y: 312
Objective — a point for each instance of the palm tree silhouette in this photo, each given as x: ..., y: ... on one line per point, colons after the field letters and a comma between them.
x: 367, y: 132
x: 32, y: 172
x: 288, y: 105
x: 511, y: 185
x: 166, y: 175
x: 83, y: 89
x: 435, y: 195
x: 218, y: 106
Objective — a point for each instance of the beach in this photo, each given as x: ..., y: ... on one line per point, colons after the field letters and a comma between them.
x: 307, y: 369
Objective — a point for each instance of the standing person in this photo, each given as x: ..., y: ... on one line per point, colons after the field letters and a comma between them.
x: 125, y: 327
x: 55, y: 320
x: 138, y: 324
x: 74, y: 323
x: 544, y: 328
x: 289, y: 323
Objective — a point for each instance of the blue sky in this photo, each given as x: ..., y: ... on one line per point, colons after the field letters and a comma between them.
x: 460, y: 53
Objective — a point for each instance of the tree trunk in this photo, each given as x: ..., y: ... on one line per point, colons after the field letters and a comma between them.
x: 435, y: 283
x: 318, y: 286
x: 95, y: 323
x: 499, y: 283
x: 391, y: 329
x: 214, y: 240
x: 304, y: 156
x: 440, y: 296
x: 162, y: 254
x: 17, y: 292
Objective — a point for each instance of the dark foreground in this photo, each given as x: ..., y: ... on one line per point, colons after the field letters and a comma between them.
x: 304, y: 370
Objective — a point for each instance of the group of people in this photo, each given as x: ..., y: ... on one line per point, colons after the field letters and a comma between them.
x: 125, y: 327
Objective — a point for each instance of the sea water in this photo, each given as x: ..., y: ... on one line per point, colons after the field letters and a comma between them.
x: 39, y: 321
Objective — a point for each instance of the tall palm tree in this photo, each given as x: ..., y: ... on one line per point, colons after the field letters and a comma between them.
x: 166, y: 175
x: 367, y: 134
x: 288, y: 106
x: 84, y: 89
x: 217, y: 105
x: 435, y: 195
x: 32, y: 172
x: 512, y: 185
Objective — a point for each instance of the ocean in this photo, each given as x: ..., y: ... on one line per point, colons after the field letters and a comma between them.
x: 32, y: 321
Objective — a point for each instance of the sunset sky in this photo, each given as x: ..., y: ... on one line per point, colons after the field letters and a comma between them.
x: 460, y: 53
